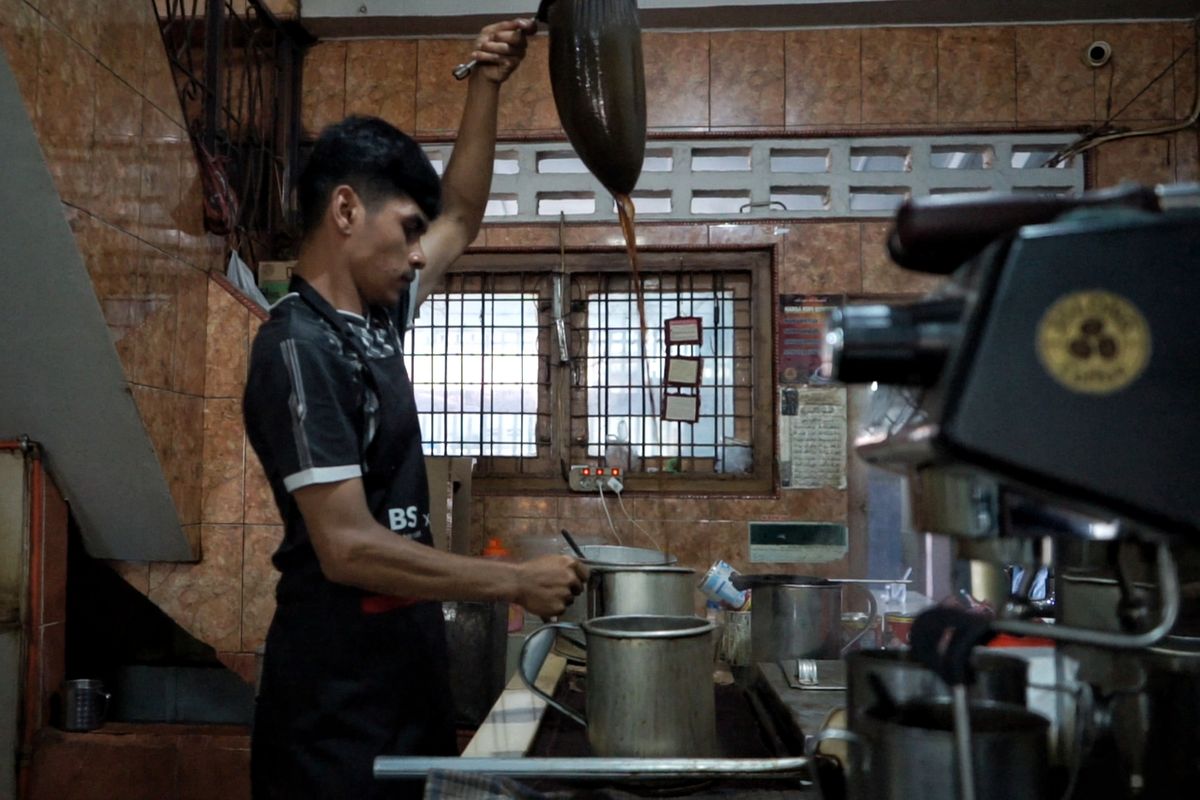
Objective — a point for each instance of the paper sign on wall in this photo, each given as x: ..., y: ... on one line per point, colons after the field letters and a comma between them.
x: 812, y: 439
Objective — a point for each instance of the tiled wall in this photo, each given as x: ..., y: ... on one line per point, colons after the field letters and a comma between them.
x: 95, y: 78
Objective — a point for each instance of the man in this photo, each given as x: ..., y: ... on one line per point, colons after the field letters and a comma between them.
x: 355, y: 662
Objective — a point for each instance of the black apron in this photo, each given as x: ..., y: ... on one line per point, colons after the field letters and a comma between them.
x: 348, y: 676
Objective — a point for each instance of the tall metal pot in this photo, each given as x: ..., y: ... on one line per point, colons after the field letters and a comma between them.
x: 794, y: 616
x: 649, y: 685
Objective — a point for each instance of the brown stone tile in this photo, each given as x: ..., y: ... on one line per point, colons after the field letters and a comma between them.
x: 209, y: 767
x: 505, y: 507
x: 976, y: 74
x: 20, y: 38
x: 324, y: 99
x: 647, y: 235
x: 122, y: 24
x: 189, y: 218
x: 226, y: 348
x: 746, y: 69
x: 158, y: 84
x: 765, y: 234
x: 1187, y: 156
x: 188, y: 446
x: 77, y: 19
x: 161, y: 180
x: 381, y: 80
x: 205, y: 597
x: 652, y: 235
x: 670, y: 508
x: 899, y: 75
x: 1053, y: 83
x: 521, y: 235
x: 817, y: 505
x: 1185, y: 69
x: 823, y: 258
x: 580, y: 507
x: 693, y: 544
x: 224, y: 456
x: 880, y: 274
x: 111, y: 258
x: 135, y: 573
x: 258, y: 583
x: 509, y: 530
x: 1140, y: 52
x: 66, y: 87
x: 117, y: 180
x: 156, y: 323
x: 824, y: 77
x: 71, y: 165
x: 526, y: 99
x: 742, y: 509
x: 439, y: 97
x: 259, y: 502
x: 155, y: 409
x: 676, y: 80
x: 190, y: 329
x: 1146, y: 159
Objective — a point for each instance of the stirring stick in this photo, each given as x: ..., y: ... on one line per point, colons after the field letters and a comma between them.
x: 571, y: 541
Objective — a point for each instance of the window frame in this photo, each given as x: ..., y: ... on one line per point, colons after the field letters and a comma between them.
x: 502, y: 475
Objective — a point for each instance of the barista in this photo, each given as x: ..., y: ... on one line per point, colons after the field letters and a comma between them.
x: 355, y: 661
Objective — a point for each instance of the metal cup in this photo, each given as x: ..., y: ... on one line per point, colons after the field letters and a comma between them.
x: 85, y: 704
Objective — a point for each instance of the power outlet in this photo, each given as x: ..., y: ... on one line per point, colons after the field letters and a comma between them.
x: 586, y: 478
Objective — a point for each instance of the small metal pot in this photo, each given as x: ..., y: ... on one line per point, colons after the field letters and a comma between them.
x: 877, y: 678
x: 605, y: 596
x: 649, y: 685
x: 908, y: 754
x: 616, y: 591
x: 794, y: 616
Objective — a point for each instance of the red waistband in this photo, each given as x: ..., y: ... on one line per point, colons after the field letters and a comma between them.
x: 379, y: 603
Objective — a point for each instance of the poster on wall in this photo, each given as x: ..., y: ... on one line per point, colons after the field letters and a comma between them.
x: 812, y: 437
x: 801, y: 330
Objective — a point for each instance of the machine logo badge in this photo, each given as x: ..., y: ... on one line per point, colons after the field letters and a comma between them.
x: 1093, y: 342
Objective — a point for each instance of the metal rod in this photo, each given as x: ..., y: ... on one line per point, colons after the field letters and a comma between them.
x: 400, y: 767
x: 463, y: 70
x: 962, y: 743
x: 1168, y: 589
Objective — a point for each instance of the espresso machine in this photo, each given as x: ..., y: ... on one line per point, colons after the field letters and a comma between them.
x: 1056, y: 386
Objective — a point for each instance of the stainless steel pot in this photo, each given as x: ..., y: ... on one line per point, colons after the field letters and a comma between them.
x: 643, y: 589
x: 879, y: 678
x: 909, y: 753
x: 793, y: 616
x: 621, y: 591
x: 649, y: 685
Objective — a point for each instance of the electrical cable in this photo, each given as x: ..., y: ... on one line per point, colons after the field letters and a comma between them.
x: 604, y: 505
x: 645, y: 532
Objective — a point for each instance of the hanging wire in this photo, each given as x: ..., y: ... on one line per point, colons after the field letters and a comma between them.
x: 1097, y: 137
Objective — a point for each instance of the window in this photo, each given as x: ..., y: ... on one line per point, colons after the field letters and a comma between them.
x: 496, y: 376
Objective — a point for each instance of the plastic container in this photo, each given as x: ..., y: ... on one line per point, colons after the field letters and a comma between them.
x: 516, y: 615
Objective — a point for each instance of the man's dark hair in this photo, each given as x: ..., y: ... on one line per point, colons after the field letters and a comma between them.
x: 375, y: 159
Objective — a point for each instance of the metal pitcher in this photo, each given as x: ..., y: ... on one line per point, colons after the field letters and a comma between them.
x: 649, y: 684
x: 631, y: 590
x: 793, y: 616
x: 85, y: 704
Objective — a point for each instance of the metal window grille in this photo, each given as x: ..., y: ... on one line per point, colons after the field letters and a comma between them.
x: 625, y: 386
x: 475, y: 358
x: 490, y: 381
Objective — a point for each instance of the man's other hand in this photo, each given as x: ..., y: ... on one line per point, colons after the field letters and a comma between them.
x: 547, y: 585
x: 499, y: 48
